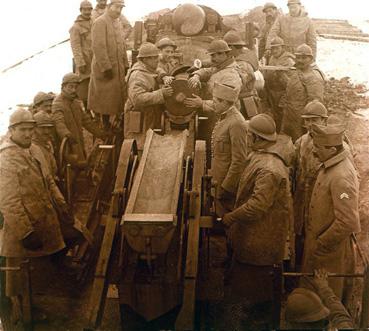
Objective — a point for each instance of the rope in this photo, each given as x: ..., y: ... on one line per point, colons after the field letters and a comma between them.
x: 30, y: 57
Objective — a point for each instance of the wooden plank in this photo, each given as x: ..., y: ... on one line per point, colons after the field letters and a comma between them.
x: 139, y: 174
x: 185, y: 319
x: 179, y: 176
x: 148, y: 218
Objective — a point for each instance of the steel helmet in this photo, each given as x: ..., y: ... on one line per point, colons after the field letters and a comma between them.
x: 304, y: 306
x: 43, y: 119
x: 263, y: 126
x: 118, y: 2
x: 218, y: 46
x: 277, y: 41
x: 166, y: 42
x: 85, y: 4
x: 233, y: 38
x: 20, y: 116
x: 40, y: 97
x: 147, y: 50
x: 291, y: 2
x: 304, y: 50
x: 71, y: 78
x: 269, y: 5
x: 314, y: 109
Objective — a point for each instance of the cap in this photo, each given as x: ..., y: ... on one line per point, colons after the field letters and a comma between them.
x: 43, y: 119
x: 269, y: 5
x: 225, y: 92
x: 233, y: 38
x: 147, y: 50
x: 20, y: 116
x: 218, y: 46
x: 276, y: 41
x: 263, y: 126
x: 71, y: 78
x: 166, y: 42
x: 304, y: 306
x: 330, y: 135
x: 118, y: 2
x: 314, y: 109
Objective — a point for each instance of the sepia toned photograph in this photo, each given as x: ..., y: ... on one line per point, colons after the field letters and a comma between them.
x: 184, y: 166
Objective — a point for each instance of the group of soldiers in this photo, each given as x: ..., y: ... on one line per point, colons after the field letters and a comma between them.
x: 287, y: 187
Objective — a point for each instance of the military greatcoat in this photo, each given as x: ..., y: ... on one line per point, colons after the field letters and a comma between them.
x: 295, y: 31
x: 333, y: 217
x: 143, y: 108
x: 107, y: 96
x: 25, y: 202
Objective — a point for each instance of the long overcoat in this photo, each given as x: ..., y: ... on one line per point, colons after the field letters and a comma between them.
x: 145, y: 101
x: 295, y: 31
x: 25, y: 202
x: 263, y: 205
x: 333, y: 217
x: 70, y: 118
x: 80, y: 40
x: 107, y: 96
x: 302, y: 87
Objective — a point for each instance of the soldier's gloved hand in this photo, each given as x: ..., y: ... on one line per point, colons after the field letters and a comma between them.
x: 195, y: 102
x: 227, y: 220
x: 168, y: 80
x: 321, y: 278
x: 194, y: 82
x: 82, y: 69
x: 108, y: 74
x: 32, y: 242
x: 167, y: 91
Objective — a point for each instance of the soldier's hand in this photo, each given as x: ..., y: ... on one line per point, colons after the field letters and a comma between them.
x: 195, y: 102
x: 194, y: 82
x: 82, y: 69
x: 321, y: 278
x: 168, y: 80
x: 167, y: 91
x: 227, y: 220
x: 32, y: 242
x: 108, y: 74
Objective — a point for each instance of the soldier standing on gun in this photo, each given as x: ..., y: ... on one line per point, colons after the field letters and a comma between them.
x: 107, y: 90
x: 80, y: 40
x: 271, y: 14
x: 276, y: 81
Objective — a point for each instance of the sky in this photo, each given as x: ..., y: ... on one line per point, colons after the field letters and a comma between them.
x: 30, y: 26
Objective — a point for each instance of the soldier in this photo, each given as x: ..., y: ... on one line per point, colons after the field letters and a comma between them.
x: 276, y: 81
x: 143, y: 108
x: 245, y: 69
x: 333, y: 212
x: 42, y: 138
x: 107, y: 90
x: 307, y: 311
x: 229, y: 146
x: 166, y: 59
x: 295, y: 28
x: 100, y: 9
x: 80, y: 41
x: 31, y: 228
x: 307, y: 166
x: 260, y: 221
x: 42, y: 102
x: 70, y: 117
x: 306, y: 84
x: 271, y: 14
